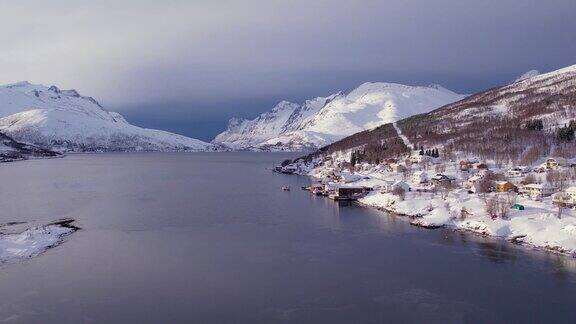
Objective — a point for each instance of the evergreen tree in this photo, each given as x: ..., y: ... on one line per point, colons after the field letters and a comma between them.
x: 566, y: 133
x: 535, y: 124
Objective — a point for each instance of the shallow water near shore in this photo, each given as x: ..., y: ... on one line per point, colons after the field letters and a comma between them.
x: 212, y: 238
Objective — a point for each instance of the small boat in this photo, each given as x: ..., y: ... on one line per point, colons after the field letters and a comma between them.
x: 317, y: 189
x: 306, y: 188
x: 286, y: 188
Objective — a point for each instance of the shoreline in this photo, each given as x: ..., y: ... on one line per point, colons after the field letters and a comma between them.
x: 514, y: 240
x: 536, y: 226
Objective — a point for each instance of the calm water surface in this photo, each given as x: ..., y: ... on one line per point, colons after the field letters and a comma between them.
x: 211, y: 238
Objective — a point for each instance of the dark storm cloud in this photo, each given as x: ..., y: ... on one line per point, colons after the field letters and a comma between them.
x: 178, y: 63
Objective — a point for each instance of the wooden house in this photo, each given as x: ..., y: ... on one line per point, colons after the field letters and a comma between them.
x: 440, y: 179
x: 504, y: 186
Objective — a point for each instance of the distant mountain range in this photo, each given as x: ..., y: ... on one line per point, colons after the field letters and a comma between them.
x: 36, y: 116
x: 64, y: 120
x: 323, y: 120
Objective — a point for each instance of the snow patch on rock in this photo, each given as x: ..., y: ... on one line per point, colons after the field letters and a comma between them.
x: 32, y: 241
x: 527, y: 75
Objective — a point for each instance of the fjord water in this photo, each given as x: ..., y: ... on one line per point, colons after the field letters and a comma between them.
x: 211, y: 238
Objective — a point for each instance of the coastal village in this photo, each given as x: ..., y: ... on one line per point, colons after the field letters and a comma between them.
x: 532, y: 205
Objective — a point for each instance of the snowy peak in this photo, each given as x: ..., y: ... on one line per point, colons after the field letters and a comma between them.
x: 527, y: 75
x: 68, y: 121
x: 499, y: 124
x: 323, y: 120
x: 17, y: 97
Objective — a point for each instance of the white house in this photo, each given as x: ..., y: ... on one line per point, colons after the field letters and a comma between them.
x: 397, y: 168
x: 417, y: 158
x: 517, y: 171
x: 566, y: 197
x: 365, y: 167
x: 440, y: 178
x: 537, y: 190
x: 473, y: 180
x: 390, y: 186
x: 348, y: 177
x: 419, y: 177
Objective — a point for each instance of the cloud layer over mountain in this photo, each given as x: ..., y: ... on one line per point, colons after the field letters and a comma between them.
x: 215, y: 59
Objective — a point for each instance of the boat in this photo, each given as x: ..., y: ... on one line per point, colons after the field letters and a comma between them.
x: 286, y: 188
x: 317, y: 189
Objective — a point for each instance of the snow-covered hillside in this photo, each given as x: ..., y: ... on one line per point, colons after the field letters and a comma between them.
x: 10, y: 150
x: 527, y: 75
x: 323, y: 120
x: 520, y: 122
x: 66, y: 121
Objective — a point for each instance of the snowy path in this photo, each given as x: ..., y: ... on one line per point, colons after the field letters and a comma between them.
x: 402, y: 136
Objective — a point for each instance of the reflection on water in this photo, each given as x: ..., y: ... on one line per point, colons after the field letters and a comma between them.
x: 497, y: 252
x: 203, y: 238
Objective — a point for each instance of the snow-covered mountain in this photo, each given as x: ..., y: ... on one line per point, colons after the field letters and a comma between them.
x: 323, y: 120
x: 64, y: 120
x: 520, y: 122
x: 527, y: 75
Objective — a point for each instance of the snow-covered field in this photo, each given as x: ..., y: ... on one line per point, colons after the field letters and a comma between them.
x: 16, y: 244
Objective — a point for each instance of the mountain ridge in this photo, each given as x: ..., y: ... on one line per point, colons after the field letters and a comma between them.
x: 67, y: 121
x: 323, y: 120
x: 519, y: 122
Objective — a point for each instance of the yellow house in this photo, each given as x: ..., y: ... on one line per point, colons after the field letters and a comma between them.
x: 553, y: 163
x: 504, y: 186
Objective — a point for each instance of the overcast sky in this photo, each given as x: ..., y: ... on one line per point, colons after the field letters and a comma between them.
x: 187, y: 66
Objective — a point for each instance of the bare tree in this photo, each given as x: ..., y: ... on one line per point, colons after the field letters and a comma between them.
x: 445, y: 188
x: 558, y: 178
x: 440, y: 168
x: 552, y: 177
x: 491, y: 205
x: 511, y: 197
x: 406, y: 173
x: 484, y: 185
x: 559, y: 211
x: 464, y: 213
x: 529, y: 179
x: 425, y: 164
x: 563, y: 179
x: 503, y: 208
x: 400, y: 192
